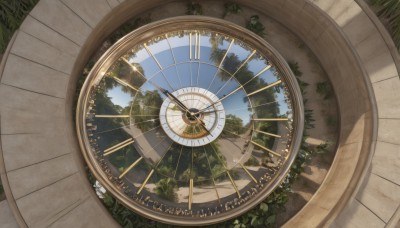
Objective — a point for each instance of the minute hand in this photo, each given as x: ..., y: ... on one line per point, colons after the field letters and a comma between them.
x: 219, y: 100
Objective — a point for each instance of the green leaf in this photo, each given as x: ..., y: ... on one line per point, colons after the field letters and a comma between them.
x: 264, y: 207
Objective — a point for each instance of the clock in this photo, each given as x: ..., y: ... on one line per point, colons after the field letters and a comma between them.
x: 190, y: 120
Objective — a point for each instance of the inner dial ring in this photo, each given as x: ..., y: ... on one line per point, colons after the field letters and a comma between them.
x: 184, y: 126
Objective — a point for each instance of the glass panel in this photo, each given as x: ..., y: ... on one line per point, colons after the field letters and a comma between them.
x: 180, y: 47
x: 142, y: 58
x: 235, y: 57
x: 162, y: 52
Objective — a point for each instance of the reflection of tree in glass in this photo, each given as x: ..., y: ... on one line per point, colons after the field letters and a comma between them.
x: 166, y: 189
x: 125, y: 72
x: 104, y: 105
x: 265, y: 140
x: 193, y: 163
x: 233, y: 124
x: 143, y: 110
x: 245, y: 76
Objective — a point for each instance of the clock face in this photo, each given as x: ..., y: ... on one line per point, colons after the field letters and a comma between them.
x: 190, y: 120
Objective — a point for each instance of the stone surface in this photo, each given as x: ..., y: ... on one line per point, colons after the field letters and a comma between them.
x: 348, y: 12
x: 49, y: 36
x: 33, y: 103
x: 380, y: 196
x: 386, y: 161
x: 52, y: 202
x: 34, y: 77
x: 32, y: 178
x: 113, y: 3
x: 90, y: 220
x: 59, y: 17
x: 388, y: 97
x: 389, y: 131
x: 31, y: 48
x: 370, y: 47
x: 357, y: 30
x: 357, y: 215
x: 16, y: 147
x: 7, y: 219
x: 91, y: 11
x: 14, y: 121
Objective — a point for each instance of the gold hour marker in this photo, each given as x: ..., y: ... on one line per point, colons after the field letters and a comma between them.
x: 130, y: 167
x: 111, y: 116
x: 190, y: 193
x: 267, y: 133
x: 155, y: 59
x: 248, y: 173
x: 265, y: 148
x: 233, y: 184
x: 194, y: 48
x: 125, y: 83
x: 271, y: 119
x: 244, y: 63
x: 145, y: 182
x: 118, y: 146
x: 226, y: 53
x: 264, y: 88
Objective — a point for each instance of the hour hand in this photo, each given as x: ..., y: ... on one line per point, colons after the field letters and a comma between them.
x: 176, y: 100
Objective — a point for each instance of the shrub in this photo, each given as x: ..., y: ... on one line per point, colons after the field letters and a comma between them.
x: 256, y: 26
x: 194, y: 8
x: 324, y: 89
x: 12, y: 13
x: 232, y: 8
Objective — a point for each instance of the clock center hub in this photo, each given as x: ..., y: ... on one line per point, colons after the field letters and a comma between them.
x: 199, y: 121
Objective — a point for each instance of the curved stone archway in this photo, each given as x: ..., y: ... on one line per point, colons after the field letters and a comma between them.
x: 40, y: 162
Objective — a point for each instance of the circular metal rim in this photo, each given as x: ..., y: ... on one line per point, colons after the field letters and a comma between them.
x: 189, y: 22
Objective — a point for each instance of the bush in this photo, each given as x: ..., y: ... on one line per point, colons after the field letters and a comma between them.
x: 324, y: 89
x: 256, y: 26
x: 294, y: 66
x: 12, y: 13
x: 194, y: 8
x: 232, y: 8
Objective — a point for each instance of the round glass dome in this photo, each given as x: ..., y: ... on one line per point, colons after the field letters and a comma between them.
x: 190, y: 120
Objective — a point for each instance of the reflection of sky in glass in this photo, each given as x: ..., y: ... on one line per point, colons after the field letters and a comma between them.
x: 119, y: 97
x: 237, y: 105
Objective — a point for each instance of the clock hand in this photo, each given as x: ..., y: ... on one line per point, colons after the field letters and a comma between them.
x: 176, y: 100
x: 203, y: 125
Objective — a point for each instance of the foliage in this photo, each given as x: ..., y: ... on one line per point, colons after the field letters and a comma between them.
x: 1, y: 188
x: 128, y: 27
x: 331, y: 121
x: 256, y: 26
x: 322, y: 148
x: 165, y: 189
x: 389, y: 11
x: 324, y: 89
x: 294, y: 66
x: 252, y: 162
x: 232, y: 8
x: 194, y: 8
x: 12, y: 13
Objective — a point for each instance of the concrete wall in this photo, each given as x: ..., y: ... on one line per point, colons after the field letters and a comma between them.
x: 40, y: 161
